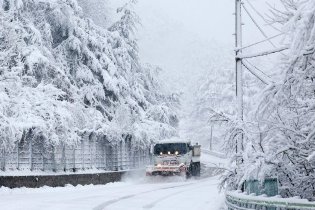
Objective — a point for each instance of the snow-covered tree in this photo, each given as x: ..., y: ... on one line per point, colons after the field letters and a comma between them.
x: 288, y: 109
x: 62, y: 75
x: 281, y: 142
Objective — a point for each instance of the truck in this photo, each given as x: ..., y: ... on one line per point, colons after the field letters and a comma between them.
x: 174, y: 156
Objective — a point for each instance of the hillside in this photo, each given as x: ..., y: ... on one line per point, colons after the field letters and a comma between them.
x: 62, y: 75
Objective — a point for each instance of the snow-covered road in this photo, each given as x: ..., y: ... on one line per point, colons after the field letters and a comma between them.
x: 172, y: 193
x: 135, y: 192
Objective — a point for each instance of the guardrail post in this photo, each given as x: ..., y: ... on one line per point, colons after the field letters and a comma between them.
x: 30, y: 152
x: 83, y: 152
x: 63, y: 157
x: 42, y: 156
x: 133, y: 156
x: 110, y: 156
x: 54, y: 163
x: 120, y: 155
x: 93, y: 151
x: 74, y: 160
x: 129, y: 151
x: 102, y: 152
x: 3, y: 159
x: 17, y: 155
x: 116, y: 153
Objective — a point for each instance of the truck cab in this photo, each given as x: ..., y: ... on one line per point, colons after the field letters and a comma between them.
x: 174, y: 157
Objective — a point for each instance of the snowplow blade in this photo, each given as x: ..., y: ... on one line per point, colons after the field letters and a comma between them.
x: 166, y: 170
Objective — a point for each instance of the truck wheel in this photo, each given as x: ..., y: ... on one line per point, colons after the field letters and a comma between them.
x: 197, y: 169
x: 189, y: 172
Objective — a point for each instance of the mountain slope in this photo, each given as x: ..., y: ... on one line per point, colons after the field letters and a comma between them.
x: 62, y: 75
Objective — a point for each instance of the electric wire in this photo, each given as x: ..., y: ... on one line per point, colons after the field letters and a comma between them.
x: 246, y: 60
x: 261, y: 16
x: 257, y: 25
x: 262, y: 41
x: 257, y: 76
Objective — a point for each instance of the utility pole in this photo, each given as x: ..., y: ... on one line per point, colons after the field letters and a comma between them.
x: 239, y: 70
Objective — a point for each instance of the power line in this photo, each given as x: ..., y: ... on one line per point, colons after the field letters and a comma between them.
x: 262, y: 41
x: 257, y: 25
x: 262, y: 17
x: 256, y: 68
x: 261, y: 77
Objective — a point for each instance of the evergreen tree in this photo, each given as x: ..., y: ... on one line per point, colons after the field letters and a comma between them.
x: 62, y: 75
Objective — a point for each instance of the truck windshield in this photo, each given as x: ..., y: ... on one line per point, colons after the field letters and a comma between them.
x: 171, y: 148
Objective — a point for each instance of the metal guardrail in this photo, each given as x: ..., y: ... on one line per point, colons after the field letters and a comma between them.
x: 91, y: 152
x: 240, y: 201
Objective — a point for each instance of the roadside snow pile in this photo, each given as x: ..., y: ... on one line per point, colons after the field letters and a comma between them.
x: 61, y: 75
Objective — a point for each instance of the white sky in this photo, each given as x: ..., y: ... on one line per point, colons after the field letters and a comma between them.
x: 207, y: 18
x: 172, y: 29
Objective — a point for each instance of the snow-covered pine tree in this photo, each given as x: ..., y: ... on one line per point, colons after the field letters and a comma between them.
x: 61, y: 75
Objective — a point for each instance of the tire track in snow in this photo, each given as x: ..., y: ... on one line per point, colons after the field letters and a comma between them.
x: 153, y: 204
x: 116, y: 200
x: 110, y: 202
x: 204, y: 177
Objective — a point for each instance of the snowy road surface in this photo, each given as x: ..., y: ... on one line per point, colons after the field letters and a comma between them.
x: 172, y: 193
x: 135, y: 192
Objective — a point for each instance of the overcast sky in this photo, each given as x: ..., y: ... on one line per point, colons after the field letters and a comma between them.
x: 208, y: 18
x: 173, y: 31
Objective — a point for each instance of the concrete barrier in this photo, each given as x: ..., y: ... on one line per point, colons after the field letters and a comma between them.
x: 35, y: 181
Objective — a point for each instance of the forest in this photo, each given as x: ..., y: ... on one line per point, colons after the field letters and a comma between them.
x: 69, y: 68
